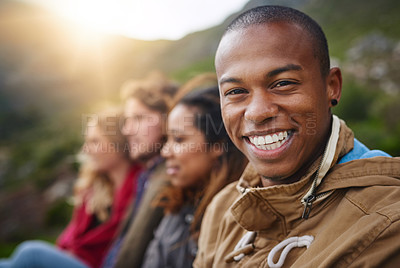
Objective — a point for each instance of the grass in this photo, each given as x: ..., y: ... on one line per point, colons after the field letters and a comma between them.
x: 7, y: 248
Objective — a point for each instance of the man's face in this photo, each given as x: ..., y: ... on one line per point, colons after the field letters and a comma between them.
x: 274, y: 99
x: 143, y: 129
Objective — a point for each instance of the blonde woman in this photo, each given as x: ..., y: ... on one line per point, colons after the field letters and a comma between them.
x: 103, y: 192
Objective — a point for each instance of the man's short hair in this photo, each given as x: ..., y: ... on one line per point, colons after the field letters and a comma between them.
x: 271, y: 14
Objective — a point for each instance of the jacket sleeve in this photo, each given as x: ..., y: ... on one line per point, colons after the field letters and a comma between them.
x: 141, y: 230
x: 384, y: 251
x: 207, y: 242
x: 213, y: 225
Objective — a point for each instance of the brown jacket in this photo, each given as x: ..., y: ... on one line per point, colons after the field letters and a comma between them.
x: 355, y: 225
x: 141, y: 230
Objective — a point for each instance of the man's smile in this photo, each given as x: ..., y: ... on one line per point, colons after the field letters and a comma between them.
x: 271, y: 141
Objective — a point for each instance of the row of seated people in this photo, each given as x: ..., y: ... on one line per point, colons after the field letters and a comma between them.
x: 149, y: 171
x: 312, y: 195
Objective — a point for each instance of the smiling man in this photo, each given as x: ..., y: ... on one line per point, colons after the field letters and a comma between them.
x: 312, y: 195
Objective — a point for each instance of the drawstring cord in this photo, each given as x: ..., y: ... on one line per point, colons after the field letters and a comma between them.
x: 247, y: 239
x: 287, y: 245
x: 243, y: 247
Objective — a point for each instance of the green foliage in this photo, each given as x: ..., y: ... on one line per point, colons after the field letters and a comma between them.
x: 372, y: 115
x: 356, y: 102
x: 6, y: 249
x: 344, y: 21
x: 386, y: 114
x: 58, y: 214
x: 206, y: 65
x: 36, y: 154
x: 13, y: 121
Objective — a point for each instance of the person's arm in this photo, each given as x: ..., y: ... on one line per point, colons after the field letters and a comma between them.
x: 384, y: 251
x: 212, y: 226
x: 141, y: 231
x: 155, y: 255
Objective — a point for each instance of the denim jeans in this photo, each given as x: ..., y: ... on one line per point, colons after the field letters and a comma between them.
x: 39, y: 254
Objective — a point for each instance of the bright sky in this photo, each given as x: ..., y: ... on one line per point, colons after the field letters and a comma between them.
x: 145, y: 19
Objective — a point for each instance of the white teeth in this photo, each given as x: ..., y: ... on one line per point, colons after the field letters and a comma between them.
x: 269, y: 142
x: 275, y: 138
x: 268, y: 139
x: 261, y: 141
x: 261, y: 146
x: 252, y: 140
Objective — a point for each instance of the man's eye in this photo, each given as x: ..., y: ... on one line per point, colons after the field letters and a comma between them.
x: 235, y: 91
x: 284, y: 83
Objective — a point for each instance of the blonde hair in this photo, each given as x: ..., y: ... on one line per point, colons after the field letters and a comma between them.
x: 94, y: 187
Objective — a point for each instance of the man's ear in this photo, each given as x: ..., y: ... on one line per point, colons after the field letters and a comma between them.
x: 334, y: 86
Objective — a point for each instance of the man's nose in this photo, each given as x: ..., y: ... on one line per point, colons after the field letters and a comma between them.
x: 261, y: 108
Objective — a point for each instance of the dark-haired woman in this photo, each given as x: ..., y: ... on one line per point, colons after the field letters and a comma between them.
x: 200, y: 160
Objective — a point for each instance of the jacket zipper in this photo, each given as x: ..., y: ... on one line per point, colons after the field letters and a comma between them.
x: 308, y: 201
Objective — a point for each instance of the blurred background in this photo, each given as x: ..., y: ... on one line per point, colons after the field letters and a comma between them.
x: 62, y: 59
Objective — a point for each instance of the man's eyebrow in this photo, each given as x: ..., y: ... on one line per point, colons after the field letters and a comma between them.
x: 229, y: 80
x: 289, y: 67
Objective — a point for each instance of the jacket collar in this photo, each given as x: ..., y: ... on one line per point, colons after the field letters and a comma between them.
x: 263, y: 207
